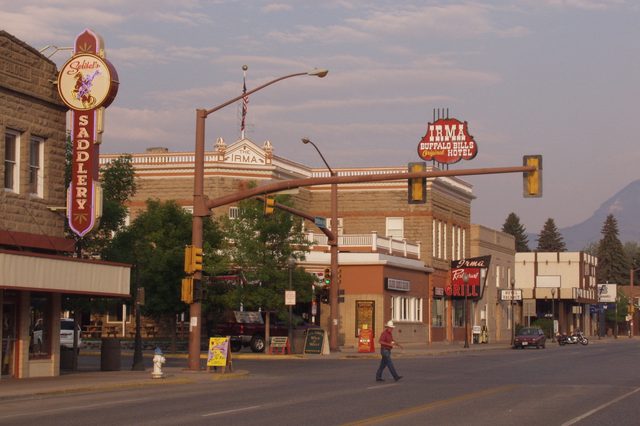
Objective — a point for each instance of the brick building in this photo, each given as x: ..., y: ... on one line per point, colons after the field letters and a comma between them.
x: 392, y: 253
x: 36, y: 270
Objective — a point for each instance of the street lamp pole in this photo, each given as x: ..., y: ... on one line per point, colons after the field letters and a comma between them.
x: 553, y: 314
x: 513, y: 324
x: 465, y: 279
x: 333, y: 252
x: 291, y: 263
x: 200, y: 210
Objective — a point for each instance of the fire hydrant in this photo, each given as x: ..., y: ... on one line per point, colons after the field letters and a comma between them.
x: 158, y: 360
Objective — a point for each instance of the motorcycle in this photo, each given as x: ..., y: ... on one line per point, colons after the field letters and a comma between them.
x: 575, y: 338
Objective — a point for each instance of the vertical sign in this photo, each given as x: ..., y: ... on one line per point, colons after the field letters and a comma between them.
x: 87, y: 84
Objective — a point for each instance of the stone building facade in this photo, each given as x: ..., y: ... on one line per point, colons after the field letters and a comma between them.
x: 36, y: 270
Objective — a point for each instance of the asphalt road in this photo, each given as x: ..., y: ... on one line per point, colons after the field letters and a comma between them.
x: 584, y: 385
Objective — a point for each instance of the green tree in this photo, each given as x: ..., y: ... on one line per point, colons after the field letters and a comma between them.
x: 632, y: 250
x: 260, y: 247
x: 550, y: 238
x: 512, y: 226
x: 118, y: 186
x: 154, y: 243
x: 613, y: 265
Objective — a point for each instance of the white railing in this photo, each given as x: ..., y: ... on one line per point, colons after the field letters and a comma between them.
x: 372, y: 240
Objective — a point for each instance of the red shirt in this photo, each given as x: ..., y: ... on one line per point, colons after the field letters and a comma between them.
x: 386, y: 339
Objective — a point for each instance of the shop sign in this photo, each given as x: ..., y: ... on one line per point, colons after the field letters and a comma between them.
x: 87, y: 83
x: 475, y: 270
x: 447, y: 141
x: 607, y: 293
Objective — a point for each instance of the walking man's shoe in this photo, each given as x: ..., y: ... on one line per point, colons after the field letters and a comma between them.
x: 379, y: 380
x: 398, y: 378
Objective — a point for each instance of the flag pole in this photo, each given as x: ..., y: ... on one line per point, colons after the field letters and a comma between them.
x: 245, y: 100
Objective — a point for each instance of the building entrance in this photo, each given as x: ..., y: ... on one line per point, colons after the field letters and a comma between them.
x: 7, y: 352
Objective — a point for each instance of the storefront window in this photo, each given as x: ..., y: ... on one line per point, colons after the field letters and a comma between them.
x: 40, y: 327
x: 437, y: 312
x: 458, y: 313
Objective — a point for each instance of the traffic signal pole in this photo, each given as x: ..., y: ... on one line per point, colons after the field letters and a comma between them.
x: 298, y: 183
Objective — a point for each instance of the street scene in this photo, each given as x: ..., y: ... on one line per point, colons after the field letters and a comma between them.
x: 488, y: 385
x: 324, y: 213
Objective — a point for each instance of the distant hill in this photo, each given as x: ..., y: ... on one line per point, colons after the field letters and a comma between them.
x: 624, y: 205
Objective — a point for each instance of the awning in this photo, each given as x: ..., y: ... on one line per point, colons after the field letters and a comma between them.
x: 39, y: 272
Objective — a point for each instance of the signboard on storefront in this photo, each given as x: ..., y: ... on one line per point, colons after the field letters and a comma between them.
x: 468, y: 277
x: 447, y: 141
x: 607, y: 293
x: 87, y: 84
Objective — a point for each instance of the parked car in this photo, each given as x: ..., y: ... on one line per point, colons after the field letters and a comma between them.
x: 247, y: 328
x: 66, y: 333
x: 529, y: 336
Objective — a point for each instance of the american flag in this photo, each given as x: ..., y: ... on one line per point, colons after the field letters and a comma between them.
x: 245, y: 103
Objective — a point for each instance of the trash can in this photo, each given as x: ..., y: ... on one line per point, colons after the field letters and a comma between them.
x: 110, y: 355
x: 66, y: 358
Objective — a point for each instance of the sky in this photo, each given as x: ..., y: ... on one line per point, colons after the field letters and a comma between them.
x: 559, y: 78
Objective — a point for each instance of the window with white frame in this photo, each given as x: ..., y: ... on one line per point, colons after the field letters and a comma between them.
x: 234, y: 212
x: 434, y: 239
x: 405, y: 308
x: 440, y: 238
x: 444, y: 240
x: 36, y: 166
x: 395, y: 227
x: 11, y: 161
x: 340, y: 225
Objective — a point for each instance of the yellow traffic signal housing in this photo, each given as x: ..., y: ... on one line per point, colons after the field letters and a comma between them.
x: 532, y: 181
x: 188, y: 259
x: 187, y: 290
x: 196, y: 262
x: 417, y: 193
x: 269, y: 205
x: 327, y: 277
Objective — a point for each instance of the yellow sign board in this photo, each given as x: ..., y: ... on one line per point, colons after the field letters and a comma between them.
x: 218, y: 352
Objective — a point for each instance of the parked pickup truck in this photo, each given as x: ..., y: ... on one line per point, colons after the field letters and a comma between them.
x: 246, y: 328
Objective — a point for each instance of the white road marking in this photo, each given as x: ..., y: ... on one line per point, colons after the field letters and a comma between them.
x: 217, y: 413
x: 77, y: 408
x: 603, y: 406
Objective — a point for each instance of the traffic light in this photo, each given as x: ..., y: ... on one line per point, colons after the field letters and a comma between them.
x: 324, y: 295
x: 532, y: 181
x: 417, y: 192
x: 196, y: 259
x: 327, y: 277
x: 187, y: 290
x: 269, y: 205
x: 188, y: 256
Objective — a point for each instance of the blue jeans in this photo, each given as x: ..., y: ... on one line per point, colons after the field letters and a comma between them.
x: 386, y: 362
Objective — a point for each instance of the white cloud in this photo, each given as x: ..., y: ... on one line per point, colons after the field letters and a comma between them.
x: 585, y: 4
x: 276, y: 7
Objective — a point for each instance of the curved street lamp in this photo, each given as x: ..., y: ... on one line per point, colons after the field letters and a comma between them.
x: 333, y: 247
x: 200, y: 210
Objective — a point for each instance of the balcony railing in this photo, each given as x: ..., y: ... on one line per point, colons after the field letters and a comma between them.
x: 372, y: 241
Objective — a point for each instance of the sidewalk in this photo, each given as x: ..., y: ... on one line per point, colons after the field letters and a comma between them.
x: 88, y: 381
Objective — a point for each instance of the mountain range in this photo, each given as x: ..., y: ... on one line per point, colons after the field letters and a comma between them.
x: 624, y: 205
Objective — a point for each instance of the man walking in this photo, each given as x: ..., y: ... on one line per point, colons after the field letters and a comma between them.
x: 386, y: 344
